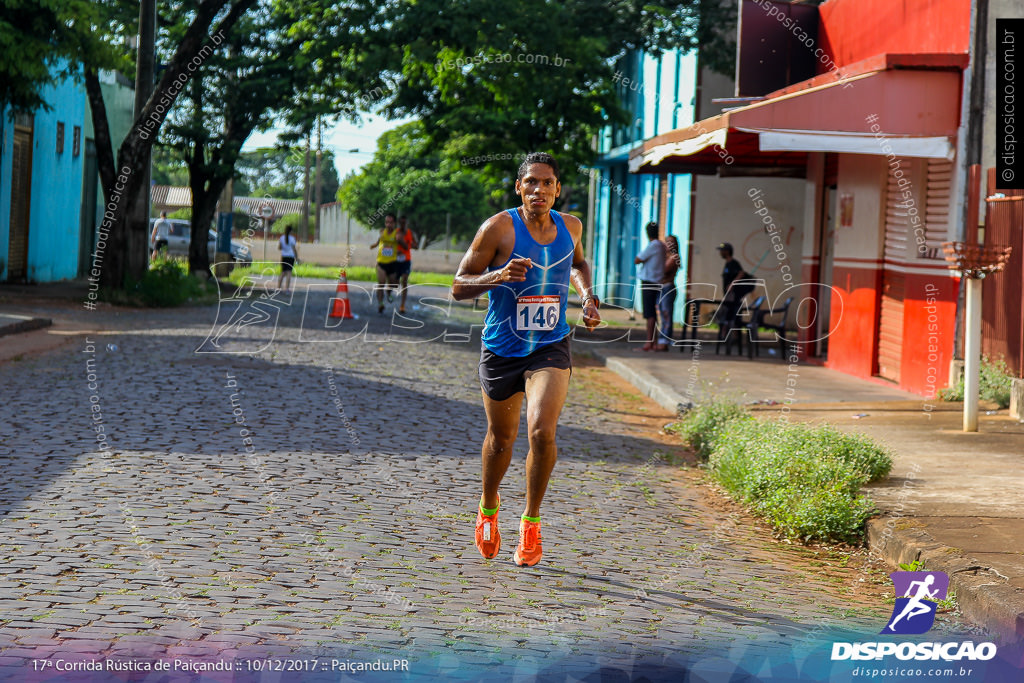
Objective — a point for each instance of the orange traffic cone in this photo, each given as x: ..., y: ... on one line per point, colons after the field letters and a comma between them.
x: 341, y: 307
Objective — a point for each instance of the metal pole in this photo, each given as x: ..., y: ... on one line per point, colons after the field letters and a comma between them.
x: 304, y: 222
x: 972, y: 354
x: 316, y: 183
x: 265, y: 220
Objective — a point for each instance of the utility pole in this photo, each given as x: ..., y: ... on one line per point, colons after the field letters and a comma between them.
x: 317, y: 183
x: 304, y: 222
x: 144, y: 69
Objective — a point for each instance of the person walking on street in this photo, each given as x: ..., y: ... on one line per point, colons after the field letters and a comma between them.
x: 525, y: 258
x: 406, y: 243
x: 289, y: 248
x: 161, y: 229
x: 652, y: 271
x: 387, y: 260
x: 667, y: 298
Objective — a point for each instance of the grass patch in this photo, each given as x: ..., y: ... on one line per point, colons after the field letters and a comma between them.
x: 167, y: 283
x: 361, y: 273
x: 993, y: 384
x: 804, y: 479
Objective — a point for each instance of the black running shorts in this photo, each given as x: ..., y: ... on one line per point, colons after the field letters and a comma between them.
x: 502, y: 377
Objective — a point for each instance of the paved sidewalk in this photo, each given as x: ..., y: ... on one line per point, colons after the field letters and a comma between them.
x: 954, y: 501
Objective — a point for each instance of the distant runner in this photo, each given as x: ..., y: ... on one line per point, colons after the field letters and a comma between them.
x: 387, y: 260
x: 406, y: 243
x: 525, y: 257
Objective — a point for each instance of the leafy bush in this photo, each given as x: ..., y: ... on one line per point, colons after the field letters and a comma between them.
x: 182, y: 214
x: 702, y: 427
x: 804, y: 479
x: 993, y: 384
x: 166, y: 283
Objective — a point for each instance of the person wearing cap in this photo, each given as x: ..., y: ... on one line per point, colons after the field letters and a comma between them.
x: 735, y: 289
x: 652, y: 272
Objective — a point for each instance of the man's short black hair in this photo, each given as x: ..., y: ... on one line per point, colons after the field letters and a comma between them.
x: 652, y: 230
x: 390, y: 214
x: 539, y: 158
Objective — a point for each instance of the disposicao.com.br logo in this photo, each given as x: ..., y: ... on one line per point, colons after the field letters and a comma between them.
x: 917, y: 596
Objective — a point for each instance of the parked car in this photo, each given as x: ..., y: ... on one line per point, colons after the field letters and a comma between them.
x: 175, y: 236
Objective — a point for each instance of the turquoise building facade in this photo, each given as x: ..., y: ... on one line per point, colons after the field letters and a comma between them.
x: 41, y: 172
x: 659, y: 92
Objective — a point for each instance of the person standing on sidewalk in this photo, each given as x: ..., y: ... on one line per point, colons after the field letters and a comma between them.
x: 525, y: 258
x: 406, y: 243
x: 667, y: 298
x: 387, y: 260
x: 652, y: 271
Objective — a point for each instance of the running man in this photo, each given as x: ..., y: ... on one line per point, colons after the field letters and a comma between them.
x: 525, y: 257
x: 406, y: 243
x: 387, y: 260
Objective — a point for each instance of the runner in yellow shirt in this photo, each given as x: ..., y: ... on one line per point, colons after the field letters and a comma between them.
x: 387, y: 261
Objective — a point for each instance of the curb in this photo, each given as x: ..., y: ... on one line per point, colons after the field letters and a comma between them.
x: 647, y: 384
x: 982, y: 594
x: 24, y: 324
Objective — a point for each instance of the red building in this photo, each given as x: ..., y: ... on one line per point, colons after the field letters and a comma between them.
x: 863, y: 100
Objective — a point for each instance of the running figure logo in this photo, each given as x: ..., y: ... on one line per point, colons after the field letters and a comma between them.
x: 916, y: 597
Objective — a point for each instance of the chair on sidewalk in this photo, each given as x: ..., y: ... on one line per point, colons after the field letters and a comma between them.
x: 691, y: 322
x: 739, y: 323
x: 757, y: 321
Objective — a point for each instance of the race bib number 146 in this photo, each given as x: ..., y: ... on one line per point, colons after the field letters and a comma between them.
x: 537, y: 312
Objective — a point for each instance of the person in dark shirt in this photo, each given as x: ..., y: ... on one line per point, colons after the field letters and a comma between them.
x: 735, y: 288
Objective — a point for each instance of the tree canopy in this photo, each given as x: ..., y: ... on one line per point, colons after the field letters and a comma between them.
x: 408, y: 176
x: 279, y: 171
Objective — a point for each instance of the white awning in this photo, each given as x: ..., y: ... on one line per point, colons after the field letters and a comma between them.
x: 655, y: 155
x: 853, y: 143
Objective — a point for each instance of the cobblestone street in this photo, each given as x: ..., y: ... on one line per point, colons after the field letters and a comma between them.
x: 318, y: 496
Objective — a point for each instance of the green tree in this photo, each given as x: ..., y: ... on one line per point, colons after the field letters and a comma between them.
x: 43, y: 42
x: 279, y: 171
x: 259, y: 79
x: 167, y: 168
x: 123, y: 180
x: 510, y: 78
x: 409, y: 176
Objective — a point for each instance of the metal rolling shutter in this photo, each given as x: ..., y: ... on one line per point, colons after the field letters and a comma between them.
x: 897, y: 236
x: 937, y: 202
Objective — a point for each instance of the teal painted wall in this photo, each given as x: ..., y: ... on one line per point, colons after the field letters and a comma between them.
x: 659, y: 92
x: 56, y: 186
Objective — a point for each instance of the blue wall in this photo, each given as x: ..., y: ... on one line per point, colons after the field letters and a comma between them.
x: 56, y: 194
x: 659, y: 92
x: 6, y: 161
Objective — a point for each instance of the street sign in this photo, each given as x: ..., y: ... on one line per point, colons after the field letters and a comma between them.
x: 267, y: 211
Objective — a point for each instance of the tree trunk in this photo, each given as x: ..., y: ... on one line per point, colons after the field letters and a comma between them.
x: 127, y: 246
x: 198, y: 179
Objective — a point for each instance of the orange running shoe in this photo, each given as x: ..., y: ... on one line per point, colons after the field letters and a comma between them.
x: 488, y: 540
x: 528, y: 553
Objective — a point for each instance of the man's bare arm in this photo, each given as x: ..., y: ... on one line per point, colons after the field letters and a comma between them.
x: 580, y: 276
x: 472, y: 278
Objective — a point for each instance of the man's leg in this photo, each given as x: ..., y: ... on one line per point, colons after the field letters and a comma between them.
x: 404, y: 285
x: 546, y: 390
x: 381, y: 279
x: 496, y: 454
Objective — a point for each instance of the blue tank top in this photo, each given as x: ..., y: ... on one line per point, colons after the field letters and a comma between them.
x: 522, y: 316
